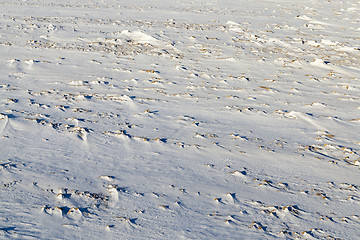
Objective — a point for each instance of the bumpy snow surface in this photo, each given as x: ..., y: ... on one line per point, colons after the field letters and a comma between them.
x: 187, y: 119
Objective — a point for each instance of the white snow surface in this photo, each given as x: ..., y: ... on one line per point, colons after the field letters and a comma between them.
x: 181, y: 119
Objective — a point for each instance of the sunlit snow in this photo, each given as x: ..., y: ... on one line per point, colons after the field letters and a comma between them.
x: 179, y: 119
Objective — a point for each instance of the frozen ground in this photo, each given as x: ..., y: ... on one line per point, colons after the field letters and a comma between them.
x: 179, y: 119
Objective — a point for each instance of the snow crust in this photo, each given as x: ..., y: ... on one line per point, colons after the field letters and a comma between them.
x: 179, y: 119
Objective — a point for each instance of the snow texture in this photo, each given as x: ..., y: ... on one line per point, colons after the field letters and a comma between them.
x: 179, y: 119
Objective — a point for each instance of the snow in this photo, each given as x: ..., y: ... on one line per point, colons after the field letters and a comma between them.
x: 179, y: 120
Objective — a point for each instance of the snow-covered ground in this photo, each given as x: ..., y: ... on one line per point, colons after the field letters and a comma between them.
x: 230, y: 119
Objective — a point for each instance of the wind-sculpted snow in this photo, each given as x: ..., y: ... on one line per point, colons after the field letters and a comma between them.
x: 179, y: 120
